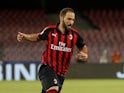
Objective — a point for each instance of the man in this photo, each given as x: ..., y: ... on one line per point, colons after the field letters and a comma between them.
x: 61, y: 39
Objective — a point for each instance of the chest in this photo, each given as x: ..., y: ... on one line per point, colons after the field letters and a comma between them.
x: 63, y: 40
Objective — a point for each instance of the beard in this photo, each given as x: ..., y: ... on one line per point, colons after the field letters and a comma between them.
x: 65, y: 26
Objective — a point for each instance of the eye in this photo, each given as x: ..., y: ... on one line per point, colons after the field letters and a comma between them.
x: 71, y: 19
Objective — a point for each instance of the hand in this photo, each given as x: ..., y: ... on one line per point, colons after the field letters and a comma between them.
x: 81, y: 56
x: 20, y: 36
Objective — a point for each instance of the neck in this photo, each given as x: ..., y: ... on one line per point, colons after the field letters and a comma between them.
x: 61, y: 28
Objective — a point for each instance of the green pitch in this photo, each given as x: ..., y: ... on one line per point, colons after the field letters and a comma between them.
x: 70, y: 86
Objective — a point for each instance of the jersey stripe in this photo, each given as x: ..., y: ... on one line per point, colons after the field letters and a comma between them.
x: 61, y: 54
x: 57, y: 52
x: 64, y: 55
x: 54, y: 54
x: 49, y: 49
x: 67, y: 56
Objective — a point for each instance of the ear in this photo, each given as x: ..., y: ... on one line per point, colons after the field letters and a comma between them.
x: 61, y: 18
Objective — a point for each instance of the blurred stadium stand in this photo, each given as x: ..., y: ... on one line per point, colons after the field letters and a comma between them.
x: 28, y: 21
x: 109, y: 36
x: 104, y: 28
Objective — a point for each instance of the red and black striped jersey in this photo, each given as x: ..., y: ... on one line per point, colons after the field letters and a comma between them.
x: 59, y: 47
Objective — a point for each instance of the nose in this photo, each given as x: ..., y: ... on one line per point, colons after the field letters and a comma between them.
x: 71, y: 21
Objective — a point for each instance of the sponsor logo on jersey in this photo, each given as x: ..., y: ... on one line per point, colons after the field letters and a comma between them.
x: 61, y: 47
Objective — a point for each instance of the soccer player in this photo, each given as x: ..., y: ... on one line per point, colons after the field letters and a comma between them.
x: 61, y: 39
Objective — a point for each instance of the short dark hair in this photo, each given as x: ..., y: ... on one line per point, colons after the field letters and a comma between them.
x: 65, y: 10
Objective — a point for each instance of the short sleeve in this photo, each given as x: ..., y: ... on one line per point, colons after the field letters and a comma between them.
x: 43, y: 35
x: 80, y: 42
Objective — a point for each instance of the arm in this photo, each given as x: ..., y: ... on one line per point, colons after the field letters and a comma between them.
x: 29, y: 37
x: 82, y: 55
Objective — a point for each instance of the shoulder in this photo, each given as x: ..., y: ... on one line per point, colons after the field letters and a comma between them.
x: 47, y: 29
x: 74, y: 30
x: 50, y: 27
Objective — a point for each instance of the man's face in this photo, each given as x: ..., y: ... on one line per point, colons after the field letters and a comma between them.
x: 68, y: 20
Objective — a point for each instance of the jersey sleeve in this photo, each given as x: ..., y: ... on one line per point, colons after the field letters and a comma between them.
x: 80, y: 42
x: 43, y: 35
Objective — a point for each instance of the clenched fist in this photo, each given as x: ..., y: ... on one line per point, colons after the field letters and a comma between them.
x: 20, y: 36
x: 81, y: 56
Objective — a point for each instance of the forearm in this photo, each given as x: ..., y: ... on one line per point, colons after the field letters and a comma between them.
x: 84, y: 49
x: 31, y: 37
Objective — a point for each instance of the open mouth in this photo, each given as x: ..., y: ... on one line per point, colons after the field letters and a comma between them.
x: 69, y: 25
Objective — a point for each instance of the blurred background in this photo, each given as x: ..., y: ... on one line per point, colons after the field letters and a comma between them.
x: 100, y: 23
